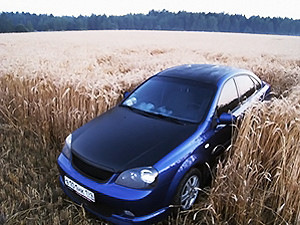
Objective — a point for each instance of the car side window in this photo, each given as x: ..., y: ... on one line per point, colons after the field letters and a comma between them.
x: 245, y: 86
x: 256, y: 83
x: 229, y: 98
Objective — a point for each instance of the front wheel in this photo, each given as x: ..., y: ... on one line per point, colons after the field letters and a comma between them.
x: 188, y: 189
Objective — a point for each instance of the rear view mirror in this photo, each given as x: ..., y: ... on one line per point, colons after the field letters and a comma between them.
x: 126, y: 94
x: 227, y: 118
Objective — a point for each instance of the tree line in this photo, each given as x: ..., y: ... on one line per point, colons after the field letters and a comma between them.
x: 154, y: 20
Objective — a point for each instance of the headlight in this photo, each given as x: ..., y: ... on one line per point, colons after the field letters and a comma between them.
x: 67, y: 148
x: 143, y: 177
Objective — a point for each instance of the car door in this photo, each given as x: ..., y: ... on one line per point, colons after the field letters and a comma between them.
x: 235, y: 98
x: 220, y: 134
x: 246, y: 90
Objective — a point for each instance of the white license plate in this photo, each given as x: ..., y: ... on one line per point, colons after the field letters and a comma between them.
x: 83, y: 192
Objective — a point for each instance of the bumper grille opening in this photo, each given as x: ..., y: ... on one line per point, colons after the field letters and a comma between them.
x: 90, y: 171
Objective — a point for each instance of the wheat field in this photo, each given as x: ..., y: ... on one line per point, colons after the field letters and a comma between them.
x: 53, y: 82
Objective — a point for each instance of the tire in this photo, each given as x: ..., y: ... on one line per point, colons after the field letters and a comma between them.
x: 188, y: 191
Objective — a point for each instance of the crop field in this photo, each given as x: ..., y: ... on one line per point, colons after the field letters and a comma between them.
x: 53, y: 82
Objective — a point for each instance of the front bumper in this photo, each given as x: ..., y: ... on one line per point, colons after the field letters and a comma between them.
x: 113, y: 202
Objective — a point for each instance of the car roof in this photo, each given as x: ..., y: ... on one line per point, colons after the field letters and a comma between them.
x: 204, y: 73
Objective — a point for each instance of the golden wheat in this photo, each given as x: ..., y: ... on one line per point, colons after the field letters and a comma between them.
x: 52, y: 83
x: 259, y: 184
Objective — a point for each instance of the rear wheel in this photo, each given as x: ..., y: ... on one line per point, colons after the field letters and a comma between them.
x: 188, y: 189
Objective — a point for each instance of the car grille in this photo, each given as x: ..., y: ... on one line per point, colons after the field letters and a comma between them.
x: 90, y: 171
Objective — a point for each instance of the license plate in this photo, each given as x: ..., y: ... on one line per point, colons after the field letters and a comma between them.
x: 83, y: 192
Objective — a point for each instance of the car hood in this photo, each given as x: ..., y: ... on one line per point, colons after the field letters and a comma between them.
x: 121, y: 139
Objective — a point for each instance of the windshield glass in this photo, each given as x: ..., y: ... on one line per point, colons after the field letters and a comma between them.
x: 173, y: 98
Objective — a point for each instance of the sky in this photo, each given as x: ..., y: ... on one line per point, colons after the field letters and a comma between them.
x: 263, y: 8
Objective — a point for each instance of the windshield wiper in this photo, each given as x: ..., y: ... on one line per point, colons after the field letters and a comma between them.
x: 144, y: 113
x: 172, y: 119
x: 157, y: 115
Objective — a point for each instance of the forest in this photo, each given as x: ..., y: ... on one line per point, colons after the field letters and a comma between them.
x: 154, y: 20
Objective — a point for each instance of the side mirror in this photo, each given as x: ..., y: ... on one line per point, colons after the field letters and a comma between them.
x: 227, y: 118
x: 126, y: 94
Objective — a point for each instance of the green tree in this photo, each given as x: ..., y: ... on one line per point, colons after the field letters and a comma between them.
x: 160, y: 20
x: 5, y: 24
x: 20, y: 28
x: 224, y: 22
x: 212, y: 24
x: 285, y: 27
x: 234, y: 24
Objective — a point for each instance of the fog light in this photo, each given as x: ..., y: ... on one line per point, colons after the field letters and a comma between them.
x: 128, y: 213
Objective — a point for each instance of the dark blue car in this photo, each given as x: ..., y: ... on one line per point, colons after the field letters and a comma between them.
x: 151, y: 152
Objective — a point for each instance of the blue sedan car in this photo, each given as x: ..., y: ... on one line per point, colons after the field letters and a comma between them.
x: 151, y: 152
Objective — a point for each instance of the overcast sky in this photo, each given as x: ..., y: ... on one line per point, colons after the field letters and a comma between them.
x: 264, y: 8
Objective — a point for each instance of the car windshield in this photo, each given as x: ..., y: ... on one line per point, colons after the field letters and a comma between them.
x: 171, y: 98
